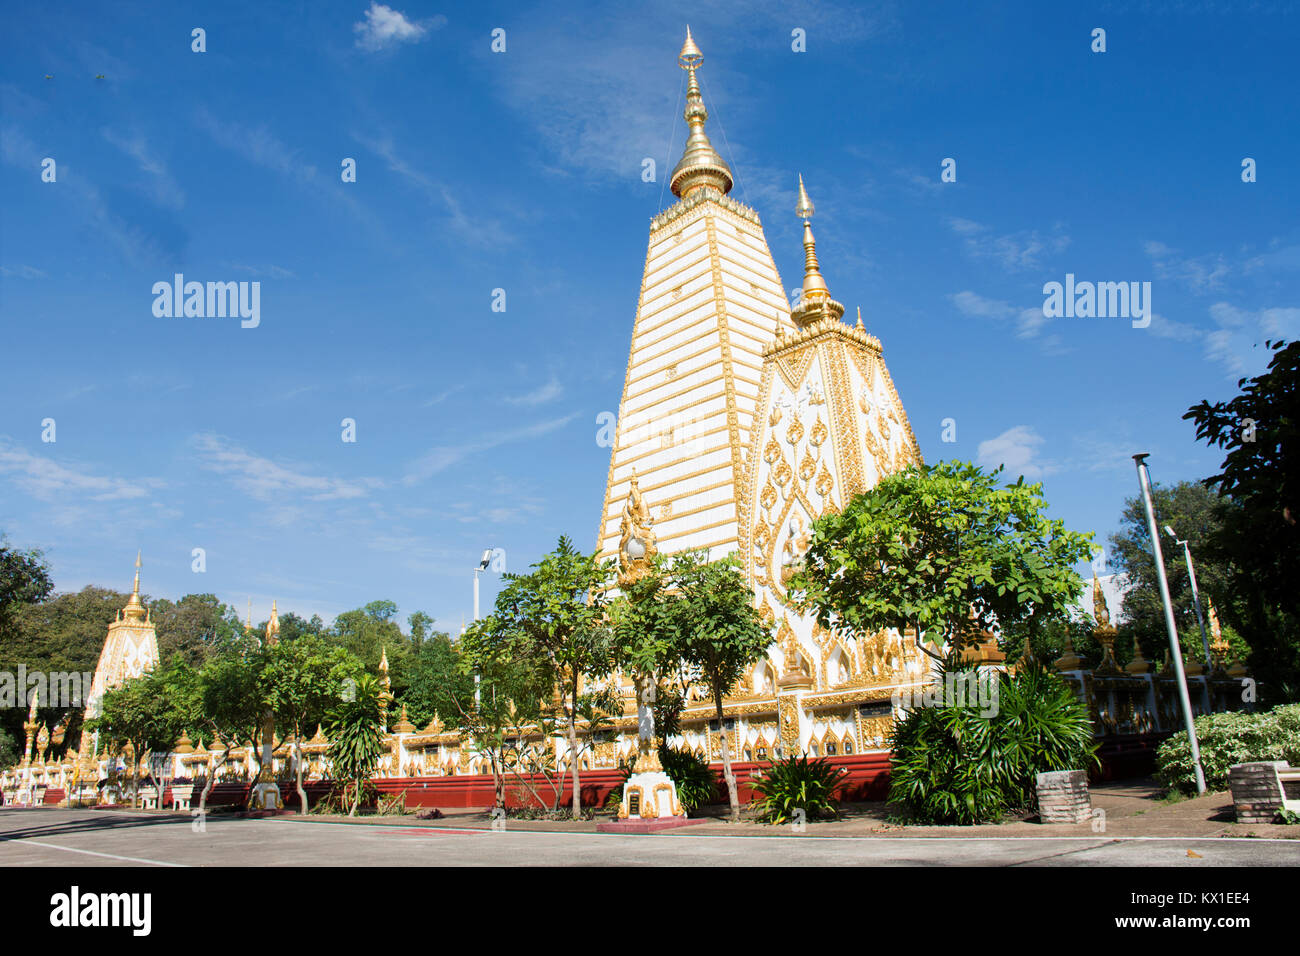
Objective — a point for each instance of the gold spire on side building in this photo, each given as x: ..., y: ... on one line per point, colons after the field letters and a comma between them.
x: 700, y: 164
x: 134, y: 610
x: 273, y: 626
x: 815, y: 303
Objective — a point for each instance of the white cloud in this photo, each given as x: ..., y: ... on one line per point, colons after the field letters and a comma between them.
x: 1201, y: 274
x: 1015, y: 251
x: 385, y: 27
x: 265, y: 479
x: 538, y: 396
x: 44, y: 478
x: 165, y: 189
x: 1017, y: 450
x: 1029, y: 322
x: 442, y: 457
x: 1238, y: 343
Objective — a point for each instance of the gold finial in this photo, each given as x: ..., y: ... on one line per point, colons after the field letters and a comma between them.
x: 248, y: 620
x: 700, y: 164
x: 859, y: 326
x: 273, y: 625
x: 805, y: 209
x: 690, y: 57
x: 816, y: 302
x: 134, y: 610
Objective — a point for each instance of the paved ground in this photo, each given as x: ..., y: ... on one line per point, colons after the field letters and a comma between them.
x: 53, y: 837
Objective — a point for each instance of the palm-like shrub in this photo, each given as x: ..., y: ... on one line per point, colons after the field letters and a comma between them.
x: 961, y: 764
x: 356, y: 739
x: 1226, y: 739
x: 695, y: 779
x: 798, y: 783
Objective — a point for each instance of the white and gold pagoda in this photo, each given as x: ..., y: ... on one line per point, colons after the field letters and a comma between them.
x: 130, y: 649
x: 742, y: 420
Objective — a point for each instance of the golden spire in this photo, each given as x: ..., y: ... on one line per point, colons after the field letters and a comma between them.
x: 134, y: 610
x: 860, y: 326
x: 273, y: 626
x: 700, y: 164
x: 816, y: 302
x: 248, y: 621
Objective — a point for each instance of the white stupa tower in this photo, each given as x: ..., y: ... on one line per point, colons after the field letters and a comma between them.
x: 741, y: 422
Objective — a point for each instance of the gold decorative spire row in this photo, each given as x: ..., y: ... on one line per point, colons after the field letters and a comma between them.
x: 700, y: 164
x: 816, y: 302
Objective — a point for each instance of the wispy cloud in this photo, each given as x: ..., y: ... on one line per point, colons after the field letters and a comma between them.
x: 1014, y: 251
x: 538, y: 396
x: 265, y: 480
x: 442, y: 457
x: 163, y: 187
x: 1238, y: 342
x: 46, y: 479
x: 478, y: 229
x: 384, y: 28
x: 1200, y: 273
x: 1029, y: 322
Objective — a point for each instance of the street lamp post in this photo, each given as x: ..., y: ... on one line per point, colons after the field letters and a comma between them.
x: 1144, y: 482
x: 482, y: 566
x: 1196, y: 594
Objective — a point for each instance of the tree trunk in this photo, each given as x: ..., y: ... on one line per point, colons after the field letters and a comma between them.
x: 135, y: 781
x: 733, y: 796
x: 573, y: 753
x: 302, y: 791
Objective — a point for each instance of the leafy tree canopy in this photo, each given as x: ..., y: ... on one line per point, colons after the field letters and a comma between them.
x: 942, y: 549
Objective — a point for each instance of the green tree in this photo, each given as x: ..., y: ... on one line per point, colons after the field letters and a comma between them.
x: 148, y: 713
x: 64, y: 633
x: 231, y: 703
x: 719, y: 633
x: 434, y: 681
x: 942, y: 550
x: 302, y: 680
x: 356, y: 739
x: 1259, y: 430
x: 193, y: 628
x: 555, y: 616
x: 1199, y: 516
x: 24, y: 579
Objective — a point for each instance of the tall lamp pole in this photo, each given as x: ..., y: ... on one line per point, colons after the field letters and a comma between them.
x: 1196, y: 594
x: 482, y: 566
x: 1144, y: 481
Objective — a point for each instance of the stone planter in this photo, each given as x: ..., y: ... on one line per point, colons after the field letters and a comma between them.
x: 1063, y: 797
x: 1257, y: 793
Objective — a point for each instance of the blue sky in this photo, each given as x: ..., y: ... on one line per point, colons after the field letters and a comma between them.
x: 521, y: 170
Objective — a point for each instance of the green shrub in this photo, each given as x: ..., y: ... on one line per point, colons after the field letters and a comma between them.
x: 696, y: 783
x: 1226, y: 739
x: 953, y: 764
x: 798, y: 783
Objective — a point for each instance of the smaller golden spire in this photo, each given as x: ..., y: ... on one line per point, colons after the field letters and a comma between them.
x: 134, y: 610
x: 816, y: 302
x: 860, y: 326
x: 273, y: 626
x: 248, y: 620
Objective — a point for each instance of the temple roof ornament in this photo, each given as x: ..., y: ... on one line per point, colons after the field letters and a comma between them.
x: 273, y: 626
x: 637, y: 544
x: 700, y: 164
x: 815, y: 303
x: 134, y: 610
